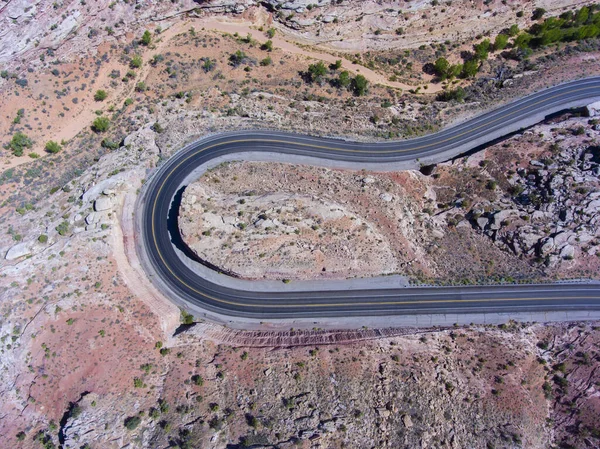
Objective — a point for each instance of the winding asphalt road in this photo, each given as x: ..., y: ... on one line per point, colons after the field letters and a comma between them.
x: 184, y: 283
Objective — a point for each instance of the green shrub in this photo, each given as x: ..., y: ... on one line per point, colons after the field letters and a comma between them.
x: 146, y: 38
x: 267, y: 46
x: 140, y: 87
x: 43, y: 238
x: 317, y: 71
x: 101, y: 124
x: 538, y: 13
x: 63, y: 228
x: 237, y: 58
x: 267, y: 61
x: 360, y: 85
x: 457, y: 94
x: 100, y: 95
x: 470, y: 68
x: 136, y: 62
x: 53, y: 147
x: 132, y: 422
x: 344, y: 79
x: 18, y: 143
x: 500, y: 42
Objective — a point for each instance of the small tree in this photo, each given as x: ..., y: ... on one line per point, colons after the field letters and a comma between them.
x: 482, y: 49
x: 101, y: 124
x: 317, y: 71
x: 441, y: 67
x: 100, y: 95
x: 344, y: 79
x: 271, y: 33
x: 360, y: 85
x: 522, y: 40
x: 53, y: 147
x: 337, y: 65
x: 19, y: 142
x: 267, y: 61
x: 538, y: 13
x: 470, y: 68
x: 500, y: 42
x: 146, y: 38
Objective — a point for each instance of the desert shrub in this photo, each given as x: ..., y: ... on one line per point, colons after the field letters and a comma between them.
x: 136, y: 62
x: 237, y: 58
x: 101, y: 124
x: 317, y: 71
x: 100, y: 95
x: 146, y: 38
x: 457, y: 94
x: 360, y: 85
x: 18, y: 143
x: 267, y: 46
x: 63, y: 228
x: 132, y: 422
x: 53, y: 147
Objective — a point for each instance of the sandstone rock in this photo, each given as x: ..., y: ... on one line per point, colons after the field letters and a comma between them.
x: 437, y: 234
x: 386, y: 197
x: 91, y: 218
x: 498, y: 217
x: 328, y: 426
x: 368, y: 180
x: 92, y: 193
x: 567, y: 252
x: 562, y: 238
x: 547, y: 246
x: 102, y: 203
x: 593, y: 109
x: 482, y: 222
x: 18, y: 251
x: 406, y: 419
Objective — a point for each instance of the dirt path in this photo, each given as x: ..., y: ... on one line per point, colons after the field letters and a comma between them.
x: 226, y: 25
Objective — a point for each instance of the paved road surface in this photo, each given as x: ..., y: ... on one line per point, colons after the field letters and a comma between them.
x: 159, y: 233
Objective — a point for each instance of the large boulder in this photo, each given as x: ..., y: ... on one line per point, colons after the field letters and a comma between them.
x: 102, y: 203
x: 593, y: 109
x: 18, y: 251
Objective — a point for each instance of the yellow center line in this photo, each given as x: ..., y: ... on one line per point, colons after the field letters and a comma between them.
x: 330, y: 148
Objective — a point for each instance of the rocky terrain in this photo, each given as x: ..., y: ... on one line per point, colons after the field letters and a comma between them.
x: 513, y: 386
x: 524, y: 209
x: 93, y: 356
x: 281, y: 235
